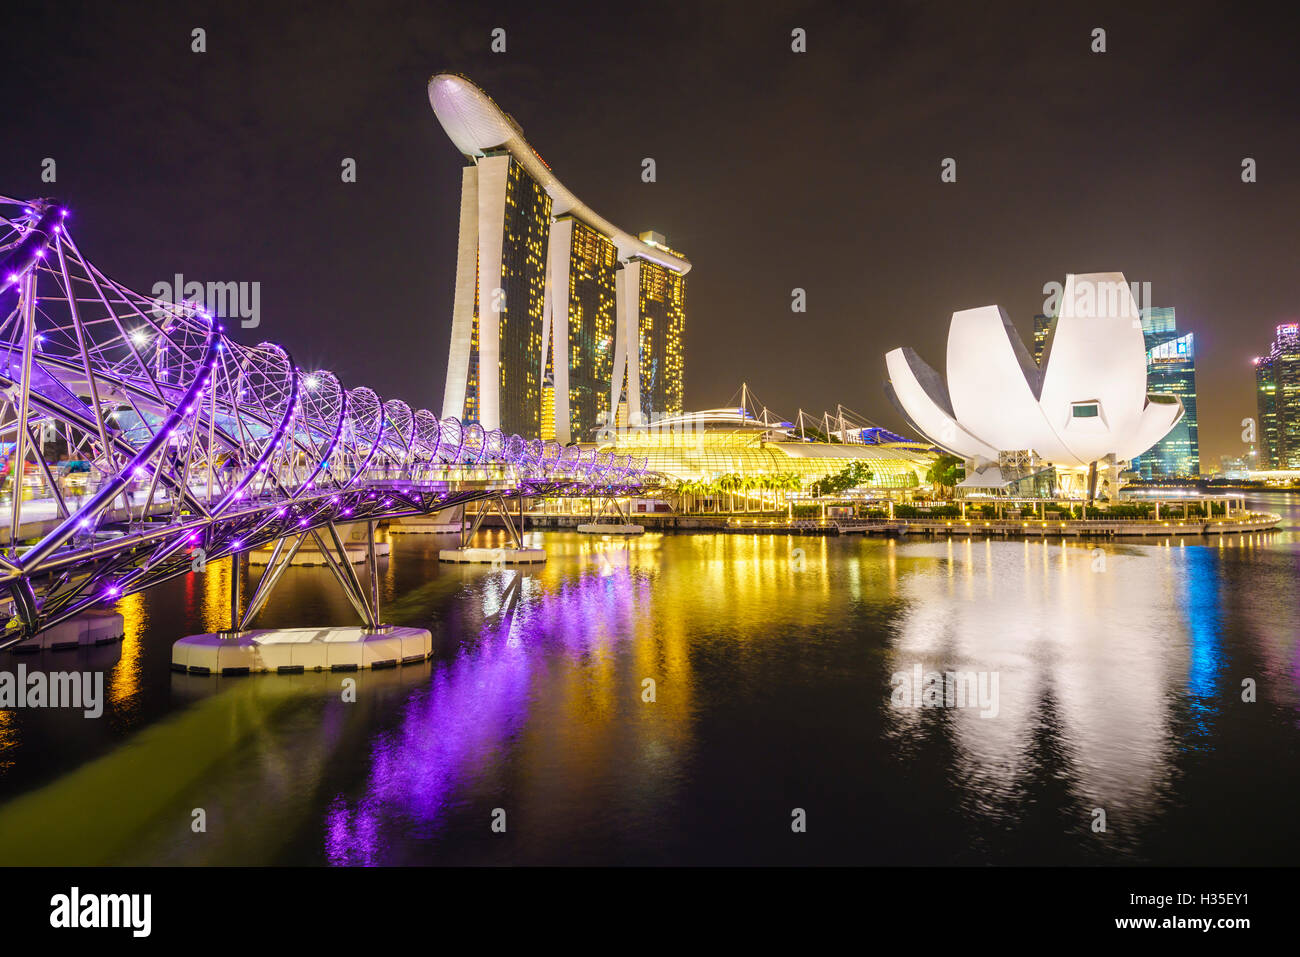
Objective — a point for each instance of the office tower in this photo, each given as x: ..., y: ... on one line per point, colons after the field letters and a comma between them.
x: 1277, y: 385
x: 1042, y: 329
x: 1171, y: 370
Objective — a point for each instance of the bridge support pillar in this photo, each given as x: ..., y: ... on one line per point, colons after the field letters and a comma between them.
x: 621, y: 524
x: 234, y: 596
x: 295, y: 650
x: 516, y: 553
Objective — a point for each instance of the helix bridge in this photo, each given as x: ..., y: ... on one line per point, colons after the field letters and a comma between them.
x: 176, y: 441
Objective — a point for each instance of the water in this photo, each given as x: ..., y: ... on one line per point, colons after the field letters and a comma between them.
x: 1119, y: 678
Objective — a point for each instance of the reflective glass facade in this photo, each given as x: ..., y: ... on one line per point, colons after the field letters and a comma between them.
x: 701, y: 455
x: 1171, y: 370
x: 1277, y: 387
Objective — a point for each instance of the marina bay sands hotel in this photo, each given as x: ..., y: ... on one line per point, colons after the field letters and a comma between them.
x: 561, y: 321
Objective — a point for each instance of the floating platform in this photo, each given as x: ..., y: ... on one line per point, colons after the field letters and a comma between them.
x: 295, y: 650
x: 88, y: 630
x: 433, y: 524
x: 598, y: 529
x: 493, y: 556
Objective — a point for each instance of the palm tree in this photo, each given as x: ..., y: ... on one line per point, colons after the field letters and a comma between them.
x: 747, y: 484
x: 790, y: 482
x: 725, y: 483
x: 697, y: 488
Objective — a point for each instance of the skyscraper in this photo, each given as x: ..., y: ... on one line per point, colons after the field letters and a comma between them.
x: 582, y: 309
x: 541, y: 302
x: 494, y: 376
x: 1042, y: 329
x: 1277, y: 387
x: 648, y: 370
x: 1171, y: 370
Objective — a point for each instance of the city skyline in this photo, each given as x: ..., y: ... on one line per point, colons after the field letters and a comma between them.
x: 1210, y: 244
x: 590, y: 436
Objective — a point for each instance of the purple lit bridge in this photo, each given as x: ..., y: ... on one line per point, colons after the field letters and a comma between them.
x: 174, y: 445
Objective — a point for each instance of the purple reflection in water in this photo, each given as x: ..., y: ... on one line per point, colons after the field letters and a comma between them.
x: 450, y: 734
x: 454, y: 734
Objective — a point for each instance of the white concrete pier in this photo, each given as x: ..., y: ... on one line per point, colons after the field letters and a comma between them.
x: 437, y: 523
x: 493, y: 556
x: 293, y: 650
x: 598, y: 528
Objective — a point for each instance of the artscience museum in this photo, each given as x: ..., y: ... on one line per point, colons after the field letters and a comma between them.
x: 1065, y: 428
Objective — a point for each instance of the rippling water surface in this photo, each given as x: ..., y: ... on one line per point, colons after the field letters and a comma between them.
x: 1119, y: 674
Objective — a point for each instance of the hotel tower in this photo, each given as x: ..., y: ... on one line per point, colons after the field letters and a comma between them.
x: 561, y: 321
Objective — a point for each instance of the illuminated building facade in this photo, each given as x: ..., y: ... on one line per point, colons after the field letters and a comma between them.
x: 547, y: 290
x: 695, y: 446
x: 582, y: 310
x: 1042, y: 329
x: 1277, y: 386
x: 649, y: 363
x: 548, y: 410
x: 1083, y: 410
x: 1171, y: 370
x: 494, y: 377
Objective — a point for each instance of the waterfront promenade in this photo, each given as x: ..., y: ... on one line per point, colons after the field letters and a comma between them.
x: 1249, y: 521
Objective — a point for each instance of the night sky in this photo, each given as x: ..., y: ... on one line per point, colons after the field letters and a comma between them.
x: 776, y: 170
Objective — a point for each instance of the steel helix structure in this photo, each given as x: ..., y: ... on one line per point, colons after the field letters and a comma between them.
x: 171, y: 437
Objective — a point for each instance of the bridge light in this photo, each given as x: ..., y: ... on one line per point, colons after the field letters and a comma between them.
x: 140, y: 338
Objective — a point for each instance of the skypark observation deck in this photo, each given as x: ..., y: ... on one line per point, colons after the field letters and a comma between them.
x: 189, y: 440
x: 476, y: 125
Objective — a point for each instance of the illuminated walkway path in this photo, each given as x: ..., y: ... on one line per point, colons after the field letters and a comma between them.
x: 219, y: 446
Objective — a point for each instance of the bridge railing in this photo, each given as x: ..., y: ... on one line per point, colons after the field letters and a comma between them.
x: 161, y: 407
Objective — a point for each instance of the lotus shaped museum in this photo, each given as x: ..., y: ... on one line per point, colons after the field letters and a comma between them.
x: 1087, y: 404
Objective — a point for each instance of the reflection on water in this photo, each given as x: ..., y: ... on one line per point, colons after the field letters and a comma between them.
x: 768, y: 661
